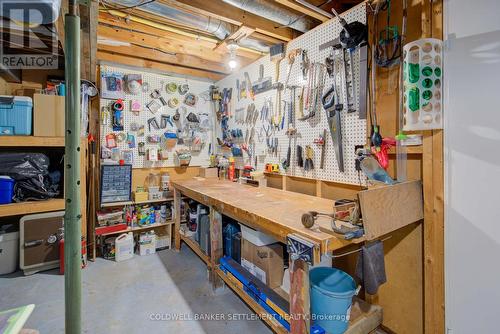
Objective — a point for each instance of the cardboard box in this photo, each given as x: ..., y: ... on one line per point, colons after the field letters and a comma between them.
x: 264, y: 262
x: 208, y: 172
x: 48, y: 115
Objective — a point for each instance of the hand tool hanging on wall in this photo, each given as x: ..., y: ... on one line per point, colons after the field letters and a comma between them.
x: 277, y: 53
x: 308, y: 163
x: 388, y: 46
x: 321, y: 141
x: 153, y: 123
x: 314, y: 90
x: 304, y: 65
x: 376, y: 137
x: 291, y: 60
x: 155, y: 94
x: 248, y: 84
x: 300, y: 158
x: 238, y: 89
x: 117, y: 115
x: 263, y: 84
x: 351, y: 41
x: 334, y: 124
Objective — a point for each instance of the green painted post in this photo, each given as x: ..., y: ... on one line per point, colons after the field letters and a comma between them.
x: 73, y: 215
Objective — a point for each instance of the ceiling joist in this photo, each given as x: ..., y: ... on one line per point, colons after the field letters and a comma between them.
x: 157, y: 66
x: 227, y: 13
x: 302, y: 9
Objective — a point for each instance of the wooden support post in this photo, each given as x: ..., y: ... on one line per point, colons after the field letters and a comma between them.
x: 177, y: 218
x: 284, y: 185
x: 216, y: 251
x: 299, y: 297
x: 319, y: 188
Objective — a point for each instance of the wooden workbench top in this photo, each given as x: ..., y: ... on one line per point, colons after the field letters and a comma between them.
x: 272, y: 211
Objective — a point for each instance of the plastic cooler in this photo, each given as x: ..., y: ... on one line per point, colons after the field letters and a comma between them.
x: 16, y: 114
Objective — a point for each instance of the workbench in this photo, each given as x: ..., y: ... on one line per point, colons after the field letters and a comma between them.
x: 278, y: 213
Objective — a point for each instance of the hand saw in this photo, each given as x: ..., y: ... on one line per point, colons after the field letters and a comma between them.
x: 334, y: 124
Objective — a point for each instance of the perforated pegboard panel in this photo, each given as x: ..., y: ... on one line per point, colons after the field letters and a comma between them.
x: 156, y: 81
x: 353, y: 128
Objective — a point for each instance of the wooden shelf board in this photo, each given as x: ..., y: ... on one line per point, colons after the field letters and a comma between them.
x: 274, y: 324
x: 153, y: 201
x: 139, y: 228
x: 25, y: 208
x: 31, y: 141
x: 196, y: 248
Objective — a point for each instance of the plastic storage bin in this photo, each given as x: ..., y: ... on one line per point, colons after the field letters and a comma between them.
x: 9, y: 249
x: 255, y: 237
x: 16, y: 114
x: 6, y: 189
x: 124, y: 247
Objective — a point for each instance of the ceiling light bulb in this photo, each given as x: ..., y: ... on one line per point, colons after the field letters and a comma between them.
x: 232, y: 64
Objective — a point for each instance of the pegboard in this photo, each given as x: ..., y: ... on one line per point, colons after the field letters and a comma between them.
x: 158, y: 81
x: 353, y: 128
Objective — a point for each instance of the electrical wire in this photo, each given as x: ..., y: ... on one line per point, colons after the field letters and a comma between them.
x: 122, y: 8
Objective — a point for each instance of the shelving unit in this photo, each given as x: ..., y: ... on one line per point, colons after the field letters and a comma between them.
x: 31, y: 141
x: 23, y: 208
x: 139, y: 228
x: 153, y: 201
x: 196, y: 248
x: 167, y: 225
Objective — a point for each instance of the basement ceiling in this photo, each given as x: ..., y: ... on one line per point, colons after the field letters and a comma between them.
x: 189, y: 37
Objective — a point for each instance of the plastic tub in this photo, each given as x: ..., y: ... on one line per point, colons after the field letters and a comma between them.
x: 331, y: 298
x: 255, y: 237
x: 9, y: 249
x: 6, y: 189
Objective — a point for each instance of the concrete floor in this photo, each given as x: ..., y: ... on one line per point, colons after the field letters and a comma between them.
x: 124, y: 297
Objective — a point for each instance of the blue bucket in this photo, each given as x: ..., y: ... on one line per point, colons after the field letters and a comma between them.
x: 6, y: 189
x: 331, y: 298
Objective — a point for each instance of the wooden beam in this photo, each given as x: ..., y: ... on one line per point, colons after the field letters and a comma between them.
x: 222, y: 11
x: 158, y: 66
x: 166, y: 57
x: 237, y: 36
x: 88, y: 35
x: 434, y: 306
x: 302, y: 9
x: 157, y: 35
x: 216, y: 248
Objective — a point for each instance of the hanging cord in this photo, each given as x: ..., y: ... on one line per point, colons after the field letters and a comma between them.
x: 105, y: 3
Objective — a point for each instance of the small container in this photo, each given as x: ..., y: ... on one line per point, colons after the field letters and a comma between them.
x: 6, y: 189
x: 16, y: 115
x: 9, y: 249
x: 124, y: 247
x: 255, y: 237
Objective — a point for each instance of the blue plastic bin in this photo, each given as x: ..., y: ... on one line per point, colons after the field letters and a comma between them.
x: 331, y: 298
x: 6, y: 189
x: 16, y: 114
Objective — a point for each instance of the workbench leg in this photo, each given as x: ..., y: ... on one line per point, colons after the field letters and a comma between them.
x: 177, y: 219
x: 299, y: 297
x: 216, y: 250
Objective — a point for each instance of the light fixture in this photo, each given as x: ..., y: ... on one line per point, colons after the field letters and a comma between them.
x: 232, y: 46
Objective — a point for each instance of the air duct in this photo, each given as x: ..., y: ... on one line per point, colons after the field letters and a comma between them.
x: 273, y: 13
x: 216, y: 27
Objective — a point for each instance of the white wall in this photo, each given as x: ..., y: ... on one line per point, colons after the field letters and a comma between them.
x: 472, y: 166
